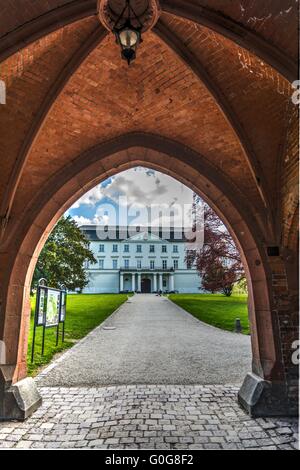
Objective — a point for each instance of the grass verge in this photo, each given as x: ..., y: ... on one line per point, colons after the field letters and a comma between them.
x: 216, y: 309
x: 84, y: 313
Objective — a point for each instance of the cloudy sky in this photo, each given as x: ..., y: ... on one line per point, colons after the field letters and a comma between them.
x: 131, y: 193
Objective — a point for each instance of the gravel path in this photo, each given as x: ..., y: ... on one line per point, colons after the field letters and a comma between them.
x: 150, y: 340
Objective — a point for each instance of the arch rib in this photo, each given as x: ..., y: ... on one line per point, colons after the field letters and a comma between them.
x: 236, y: 32
x: 78, y: 58
x: 78, y: 9
x: 45, y: 24
x: 195, y: 65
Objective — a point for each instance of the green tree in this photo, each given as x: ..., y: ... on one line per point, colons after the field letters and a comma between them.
x: 62, y: 259
x: 240, y: 287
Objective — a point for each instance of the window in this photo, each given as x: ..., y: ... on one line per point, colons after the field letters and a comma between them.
x: 175, y: 248
x: 115, y: 264
x: 139, y: 264
x: 152, y: 248
x: 115, y: 249
x: 164, y: 249
x: 139, y: 248
x: 101, y: 248
x: 175, y: 263
x: 126, y: 263
x: 152, y: 264
x: 165, y: 264
x: 126, y: 248
x: 189, y: 262
x: 101, y: 263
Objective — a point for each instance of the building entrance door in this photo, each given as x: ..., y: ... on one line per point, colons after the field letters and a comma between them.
x: 146, y: 286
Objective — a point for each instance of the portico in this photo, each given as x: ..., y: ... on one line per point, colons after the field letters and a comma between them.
x: 158, y: 280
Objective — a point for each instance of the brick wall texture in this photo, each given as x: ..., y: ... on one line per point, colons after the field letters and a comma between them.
x: 192, y: 84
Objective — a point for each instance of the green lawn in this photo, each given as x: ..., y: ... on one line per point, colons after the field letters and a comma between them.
x: 215, y: 309
x: 84, y: 313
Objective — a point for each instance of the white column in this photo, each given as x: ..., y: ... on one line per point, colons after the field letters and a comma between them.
x: 172, y: 285
x: 160, y: 282
x: 121, y: 282
x: 155, y: 282
x: 139, y: 282
x: 133, y: 282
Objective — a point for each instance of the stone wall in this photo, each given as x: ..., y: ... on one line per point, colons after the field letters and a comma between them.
x: 288, y: 305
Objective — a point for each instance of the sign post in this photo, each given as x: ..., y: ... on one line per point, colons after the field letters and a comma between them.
x: 50, y: 311
x: 39, y: 312
x: 63, y: 310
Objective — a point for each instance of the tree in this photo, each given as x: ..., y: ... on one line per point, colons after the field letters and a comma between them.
x: 241, y: 287
x: 212, y: 277
x: 62, y: 259
x: 218, y: 262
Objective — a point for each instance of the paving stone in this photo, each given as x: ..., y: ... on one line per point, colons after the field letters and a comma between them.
x: 284, y: 431
x: 96, y: 443
x: 24, y: 445
x: 147, y: 417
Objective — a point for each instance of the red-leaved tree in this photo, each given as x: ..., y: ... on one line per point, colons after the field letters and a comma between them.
x: 218, y: 262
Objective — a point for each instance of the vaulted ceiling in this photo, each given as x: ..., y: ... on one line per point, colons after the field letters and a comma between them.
x: 215, y: 76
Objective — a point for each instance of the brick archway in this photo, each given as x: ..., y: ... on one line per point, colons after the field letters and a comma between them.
x: 267, y: 383
x: 214, y: 84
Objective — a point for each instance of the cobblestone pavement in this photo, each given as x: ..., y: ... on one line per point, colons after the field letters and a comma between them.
x: 147, y: 417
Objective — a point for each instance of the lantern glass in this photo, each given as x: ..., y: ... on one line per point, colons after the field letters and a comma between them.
x: 128, y: 38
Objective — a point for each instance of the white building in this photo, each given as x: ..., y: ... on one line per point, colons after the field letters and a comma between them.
x: 139, y: 261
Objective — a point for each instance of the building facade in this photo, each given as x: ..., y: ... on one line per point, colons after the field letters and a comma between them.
x: 140, y: 261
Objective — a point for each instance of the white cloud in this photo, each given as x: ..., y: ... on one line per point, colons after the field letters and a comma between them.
x: 137, y: 186
x: 80, y: 220
x: 91, y: 198
x: 144, y: 186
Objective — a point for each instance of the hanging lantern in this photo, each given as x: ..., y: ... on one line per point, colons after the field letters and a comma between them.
x: 128, y: 38
x: 128, y: 20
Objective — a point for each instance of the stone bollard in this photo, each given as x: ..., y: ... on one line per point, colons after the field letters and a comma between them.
x: 238, y: 326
